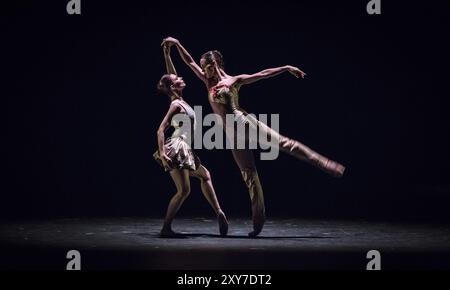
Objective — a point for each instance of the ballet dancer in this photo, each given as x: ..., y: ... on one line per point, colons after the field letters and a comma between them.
x: 175, y: 154
x: 223, y: 95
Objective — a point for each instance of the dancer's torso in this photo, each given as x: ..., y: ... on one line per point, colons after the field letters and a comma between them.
x: 224, y: 99
x: 180, y: 130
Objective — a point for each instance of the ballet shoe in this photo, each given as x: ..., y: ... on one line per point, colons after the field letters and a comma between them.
x: 223, y: 224
x: 331, y: 167
x: 258, y: 224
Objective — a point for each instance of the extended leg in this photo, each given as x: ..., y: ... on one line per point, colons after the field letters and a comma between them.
x: 305, y: 153
x: 299, y: 150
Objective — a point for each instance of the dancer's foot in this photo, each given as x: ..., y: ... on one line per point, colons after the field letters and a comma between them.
x: 331, y: 167
x: 340, y: 169
x: 168, y: 233
x: 258, y: 224
x: 223, y: 223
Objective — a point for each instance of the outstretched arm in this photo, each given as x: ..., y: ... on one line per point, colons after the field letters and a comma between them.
x: 187, y: 58
x: 268, y: 73
x: 169, y: 64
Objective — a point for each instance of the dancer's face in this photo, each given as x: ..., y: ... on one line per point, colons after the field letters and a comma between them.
x: 177, y: 83
x: 208, y: 68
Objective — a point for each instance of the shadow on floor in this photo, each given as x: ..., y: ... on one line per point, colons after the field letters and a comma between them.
x: 201, y: 235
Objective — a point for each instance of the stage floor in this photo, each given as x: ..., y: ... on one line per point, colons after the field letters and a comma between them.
x: 289, y: 244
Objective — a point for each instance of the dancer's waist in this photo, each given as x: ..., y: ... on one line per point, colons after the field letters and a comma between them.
x: 178, y: 134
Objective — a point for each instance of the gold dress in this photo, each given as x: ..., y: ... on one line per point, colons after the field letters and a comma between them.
x: 178, y: 146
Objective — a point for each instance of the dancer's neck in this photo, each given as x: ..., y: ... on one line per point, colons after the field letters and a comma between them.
x: 176, y: 96
x: 220, y: 76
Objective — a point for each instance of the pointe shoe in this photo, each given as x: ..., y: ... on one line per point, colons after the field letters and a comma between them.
x: 223, y: 224
x: 258, y: 224
x: 331, y: 167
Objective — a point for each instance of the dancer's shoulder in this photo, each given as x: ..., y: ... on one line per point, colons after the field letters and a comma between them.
x: 177, y: 105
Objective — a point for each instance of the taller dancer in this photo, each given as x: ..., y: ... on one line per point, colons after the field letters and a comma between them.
x: 223, y: 96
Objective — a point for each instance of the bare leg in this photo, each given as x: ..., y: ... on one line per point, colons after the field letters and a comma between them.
x: 181, y: 180
x: 208, y: 191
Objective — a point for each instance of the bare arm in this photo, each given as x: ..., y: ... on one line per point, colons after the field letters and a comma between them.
x: 174, y: 109
x: 169, y: 64
x: 268, y: 73
x: 187, y: 58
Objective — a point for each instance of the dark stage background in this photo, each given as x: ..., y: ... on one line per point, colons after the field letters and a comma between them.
x: 82, y: 110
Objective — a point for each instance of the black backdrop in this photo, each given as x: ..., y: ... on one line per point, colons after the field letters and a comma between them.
x: 82, y: 111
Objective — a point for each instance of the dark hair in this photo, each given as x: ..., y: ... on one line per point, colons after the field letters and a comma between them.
x: 164, y: 84
x: 212, y: 55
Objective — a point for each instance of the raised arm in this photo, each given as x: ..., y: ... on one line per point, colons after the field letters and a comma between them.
x: 268, y: 73
x: 187, y: 58
x: 169, y: 64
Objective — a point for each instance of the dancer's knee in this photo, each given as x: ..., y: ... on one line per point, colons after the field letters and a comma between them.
x: 202, y: 174
x: 296, y: 148
x: 250, y: 176
x: 184, y: 190
x: 206, y: 176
